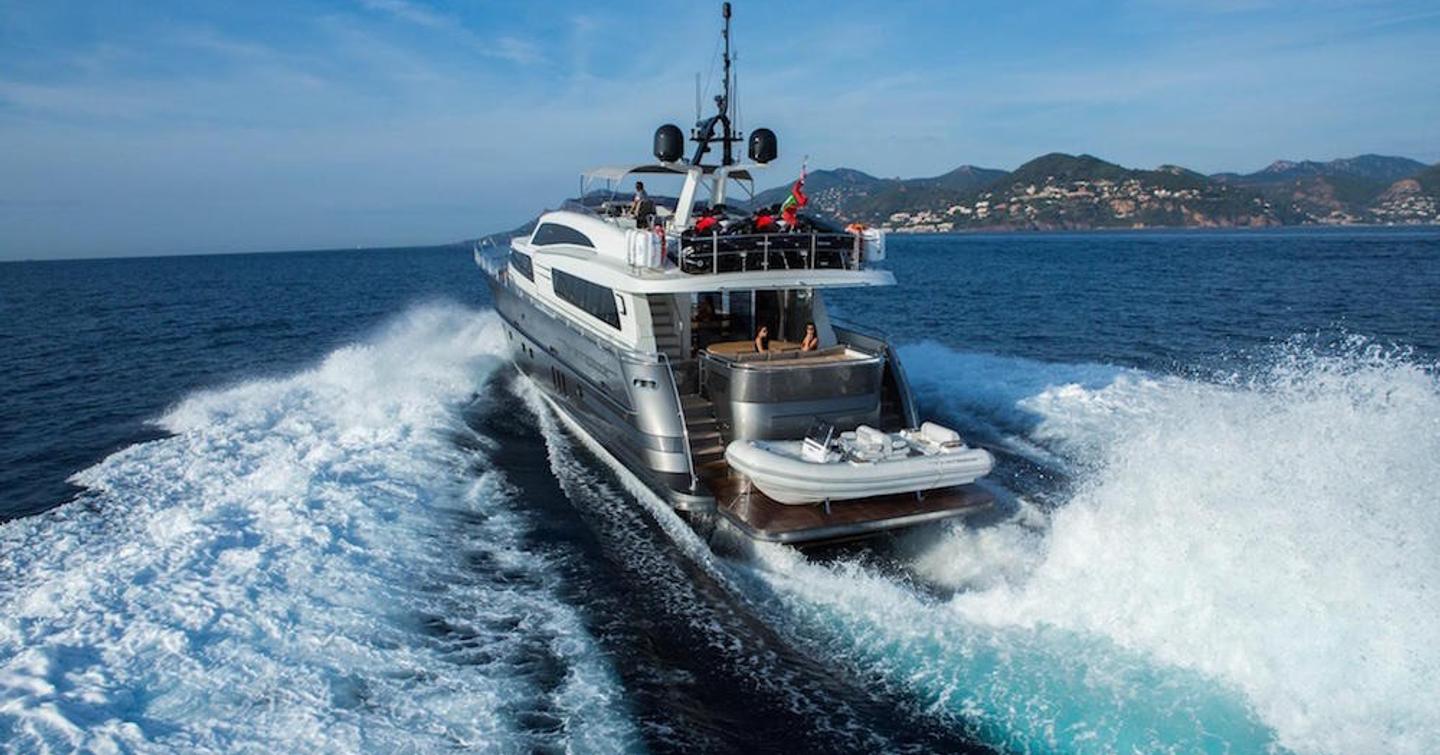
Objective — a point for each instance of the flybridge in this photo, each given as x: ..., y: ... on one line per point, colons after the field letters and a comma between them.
x: 702, y: 231
x: 630, y: 259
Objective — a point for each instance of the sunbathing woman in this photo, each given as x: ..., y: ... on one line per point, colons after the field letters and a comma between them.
x: 811, y: 341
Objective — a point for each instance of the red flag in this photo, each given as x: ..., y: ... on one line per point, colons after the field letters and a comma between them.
x: 796, y: 200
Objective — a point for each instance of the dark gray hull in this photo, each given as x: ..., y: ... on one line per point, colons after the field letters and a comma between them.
x: 629, y: 405
x: 626, y: 401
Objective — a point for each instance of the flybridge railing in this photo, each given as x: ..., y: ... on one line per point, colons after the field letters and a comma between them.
x: 702, y: 254
x: 490, y: 257
x: 572, y: 205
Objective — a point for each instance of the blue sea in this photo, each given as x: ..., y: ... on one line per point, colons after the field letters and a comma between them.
x: 299, y: 502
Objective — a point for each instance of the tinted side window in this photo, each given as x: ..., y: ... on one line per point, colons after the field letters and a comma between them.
x: 599, y: 301
x: 553, y: 233
x: 521, y: 262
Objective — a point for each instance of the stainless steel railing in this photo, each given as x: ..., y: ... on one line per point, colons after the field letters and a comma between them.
x: 684, y: 428
x: 716, y: 252
x: 489, y: 258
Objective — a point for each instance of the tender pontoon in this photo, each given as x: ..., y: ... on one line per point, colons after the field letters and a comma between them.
x: 638, y: 318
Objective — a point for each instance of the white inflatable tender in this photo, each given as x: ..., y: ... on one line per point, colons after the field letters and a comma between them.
x: 861, y: 464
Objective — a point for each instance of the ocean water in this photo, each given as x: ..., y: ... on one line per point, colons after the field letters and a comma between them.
x: 299, y: 501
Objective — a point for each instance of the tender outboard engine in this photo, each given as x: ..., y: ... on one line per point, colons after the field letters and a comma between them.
x: 763, y: 145
x: 669, y: 143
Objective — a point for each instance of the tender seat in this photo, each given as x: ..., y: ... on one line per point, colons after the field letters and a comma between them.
x: 940, y: 435
x: 931, y: 438
x: 865, y: 443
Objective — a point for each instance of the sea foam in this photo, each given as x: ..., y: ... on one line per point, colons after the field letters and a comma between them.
x: 1271, y: 539
x: 312, y: 562
x: 307, y: 563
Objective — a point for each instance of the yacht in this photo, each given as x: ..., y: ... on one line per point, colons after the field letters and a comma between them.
x: 689, y: 339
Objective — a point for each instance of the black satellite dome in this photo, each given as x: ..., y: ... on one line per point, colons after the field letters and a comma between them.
x: 669, y: 143
x: 763, y: 145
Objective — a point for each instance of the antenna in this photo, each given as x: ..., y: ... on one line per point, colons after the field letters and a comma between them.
x: 726, y: 105
x: 736, y: 116
x: 725, y: 10
x: 697, y: 95
x: 735, y: 91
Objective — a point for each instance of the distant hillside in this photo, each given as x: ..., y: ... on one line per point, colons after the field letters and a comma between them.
x: 1068, y: 191
x: 1409, y: 198
x: 1338, y: 191
x: 1083, y: 191
x: 1429, y: 180
x: 1379, y: 168
x: 828, y: 190
x: 962, y: 179
x: 846, y: 193
x: 1060, y: 191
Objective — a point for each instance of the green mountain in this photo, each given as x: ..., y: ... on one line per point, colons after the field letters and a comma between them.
x: 1410, y: 200
x: 851, y: 194
x: 1377, y: 168
x: 1083, y: 191
x: 1059, y: 190
x: 962, y: 179
x: 1336, y: 191
x: 1052, y: 191
x: 1429, y: 180
x: 1060, y: 167
x: 826, y: 189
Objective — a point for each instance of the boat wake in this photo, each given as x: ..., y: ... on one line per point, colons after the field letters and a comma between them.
x: 1240, y: 564
x: 347, y: 558
x: 730, y: 680
x: 307, y: 563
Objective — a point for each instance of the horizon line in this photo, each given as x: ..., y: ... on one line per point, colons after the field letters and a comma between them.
x: 1118, y: 230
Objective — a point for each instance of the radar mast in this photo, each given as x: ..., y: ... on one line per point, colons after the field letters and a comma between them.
x: 704, y: 133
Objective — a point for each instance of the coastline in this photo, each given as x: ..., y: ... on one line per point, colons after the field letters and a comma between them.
x: 1000, y: 230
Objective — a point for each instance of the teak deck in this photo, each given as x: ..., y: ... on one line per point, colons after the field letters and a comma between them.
x: 732, y: 348
x: 765, y: 519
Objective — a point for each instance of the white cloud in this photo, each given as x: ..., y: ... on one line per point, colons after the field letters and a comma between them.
x: 515, y: 50
x: 412, y: 13
x: 512, y: 48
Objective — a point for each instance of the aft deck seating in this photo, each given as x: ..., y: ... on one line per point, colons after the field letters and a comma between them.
x: 781, y: 353
x: 774, y: 394
x: 732, y: 349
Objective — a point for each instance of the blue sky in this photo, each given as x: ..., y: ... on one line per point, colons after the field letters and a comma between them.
x: 170, y: 127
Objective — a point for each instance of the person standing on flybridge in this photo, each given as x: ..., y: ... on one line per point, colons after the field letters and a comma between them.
x: 641, y: 207
x: 796, y: 200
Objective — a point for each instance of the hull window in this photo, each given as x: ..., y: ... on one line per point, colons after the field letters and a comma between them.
x: 596, y: 300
